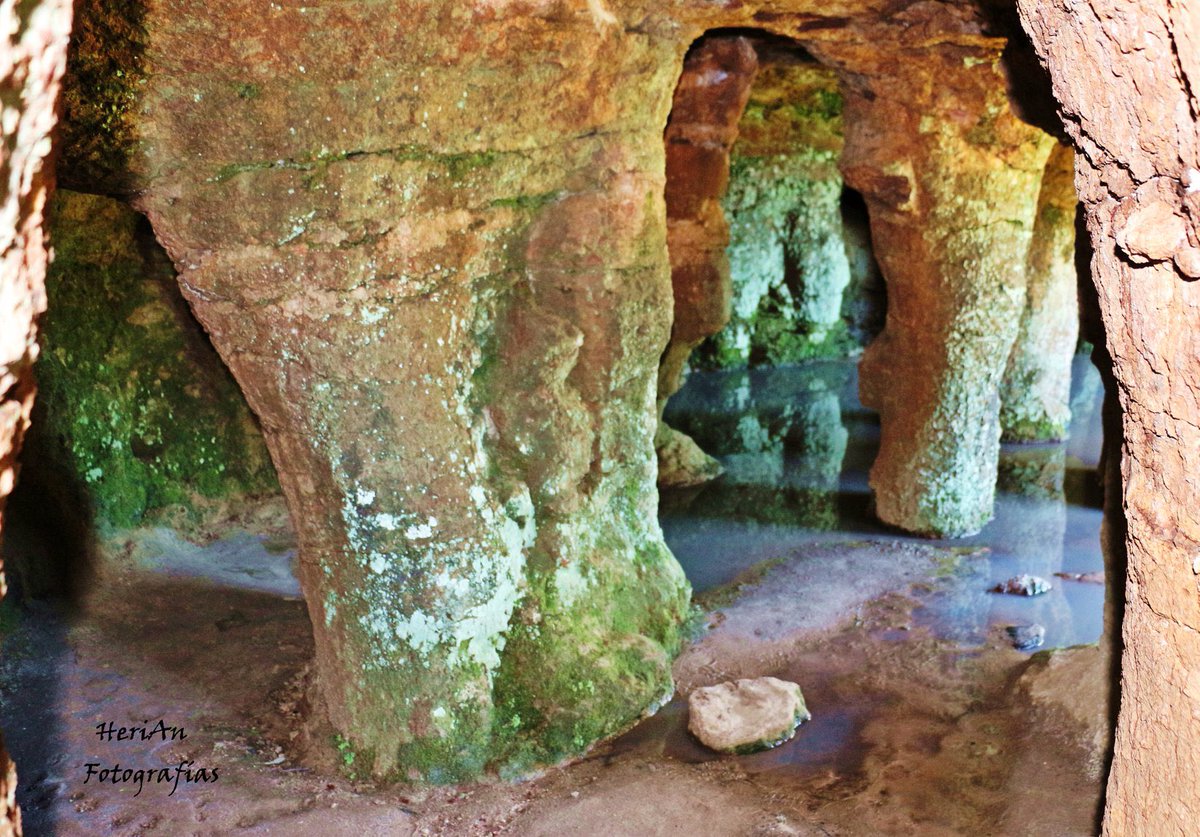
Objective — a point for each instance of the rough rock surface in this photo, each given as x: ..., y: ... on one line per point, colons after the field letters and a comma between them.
x: 951, y: 177
x: 429, y: 241
x: 1126, y: 76
x: 746, y: 715
x: 709, y: 99
x: 788, y: 254
x: 33, y: 49
x: 1036, y: 391
x: 136, y: 414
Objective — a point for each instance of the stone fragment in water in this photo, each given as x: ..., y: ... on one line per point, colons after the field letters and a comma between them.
x: 745, y: 716
x: 1026, y: 637
x: 1096, y: 577
x: 1023, y: 585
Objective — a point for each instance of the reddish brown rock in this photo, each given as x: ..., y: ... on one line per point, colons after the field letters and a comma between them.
x: 709, y: 100
x: 1125, y: 76
x: 951, y: 178
x: 33, y: 53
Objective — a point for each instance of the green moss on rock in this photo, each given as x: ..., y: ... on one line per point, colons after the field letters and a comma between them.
x: 135, y: 409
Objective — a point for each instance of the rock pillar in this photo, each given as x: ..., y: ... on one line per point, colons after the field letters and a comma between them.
x: 447, y: 308
x: 1036, y: 393
x: 1126, y: 77
x: 709, y: 100
x: 951, y: 178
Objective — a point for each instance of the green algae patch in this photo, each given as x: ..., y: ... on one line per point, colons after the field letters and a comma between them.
x: 135, y: 409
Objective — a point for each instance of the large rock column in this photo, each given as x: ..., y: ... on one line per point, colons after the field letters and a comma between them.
x: 430, y: 244
x: 1036, y: 393
x: 33, y: 51
x: 709, y: 100
x: 951, y: 177
x: 1127, y: 76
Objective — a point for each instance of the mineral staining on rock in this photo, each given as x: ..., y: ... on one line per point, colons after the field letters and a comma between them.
x: 1035, y: 393
x: 137, y: 416
x: 709, y: 98
x: 748, y: 715
x: 788, y: 253
x: 951, y: 177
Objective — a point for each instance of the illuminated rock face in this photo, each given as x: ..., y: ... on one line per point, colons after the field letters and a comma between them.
x: 1036, y: 392
x: 951, y: 178
x: 430, y: 243
x: 708, y: 102
x: 1126, y: 77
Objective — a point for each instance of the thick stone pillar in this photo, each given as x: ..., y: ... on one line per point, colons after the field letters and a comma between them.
x: 33, y: 52
x: 437, y: 268
x: 709, y: 100
x: 951, y: 177
x: 1036, y: 393
x: 1126, y: 77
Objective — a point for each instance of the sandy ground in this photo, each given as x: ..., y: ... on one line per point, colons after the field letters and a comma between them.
x: 912, y: 733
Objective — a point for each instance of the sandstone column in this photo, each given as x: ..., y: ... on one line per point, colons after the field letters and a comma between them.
x: 1126, y: 76
x: 709, y: 100
x: 1036, y: 393
x: 951, y: 178
x: 430, y: 244
x: 33, y: 50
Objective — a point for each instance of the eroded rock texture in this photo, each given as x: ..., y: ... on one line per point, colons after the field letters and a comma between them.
x: 136, y: 415
x: 33, y: 48
x: 429, y: 241
x: 1036, y: 392
x: 951, y: 178
x: 708, y: 102
x: 1126, y: 76
x: 787, y: 251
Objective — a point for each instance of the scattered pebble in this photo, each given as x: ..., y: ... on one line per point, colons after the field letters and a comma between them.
x: 1087, y: 578
x: 1023, y: 585
x: 1026, y: 637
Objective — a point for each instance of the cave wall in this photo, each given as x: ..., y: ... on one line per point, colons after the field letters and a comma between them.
x: 447, y: 309
x: 1126, y: 77
x: 136, y: 420
x: 787, y: 251
x: 33, y: 48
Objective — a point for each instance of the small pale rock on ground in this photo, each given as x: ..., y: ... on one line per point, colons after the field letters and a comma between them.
x: 744, y: 716
x: 1023, y: 585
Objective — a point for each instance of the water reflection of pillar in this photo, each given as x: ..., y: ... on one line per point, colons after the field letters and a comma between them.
x: 1031, y: 525
x: 817, y: 441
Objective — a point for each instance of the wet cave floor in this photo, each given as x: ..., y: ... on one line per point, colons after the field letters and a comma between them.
x: 925, y: 719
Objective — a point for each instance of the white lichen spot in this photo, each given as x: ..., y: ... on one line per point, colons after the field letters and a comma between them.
x: 364, y: 496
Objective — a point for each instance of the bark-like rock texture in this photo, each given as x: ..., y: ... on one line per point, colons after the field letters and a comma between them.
x: 1127, y: 76
x: 33, y: 49
x: 951, y: 178
x: 1036, y: 393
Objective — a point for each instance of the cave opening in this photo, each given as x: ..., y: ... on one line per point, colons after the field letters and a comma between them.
x: 766, y: 447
